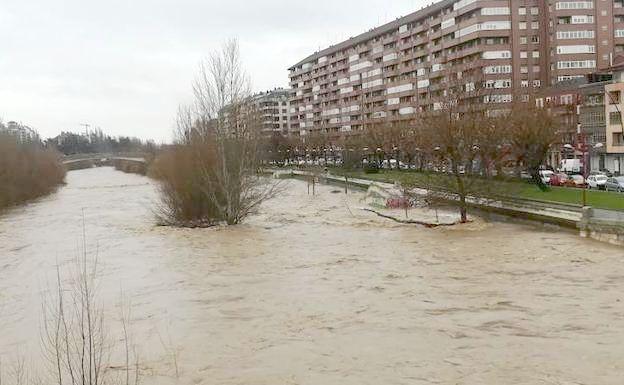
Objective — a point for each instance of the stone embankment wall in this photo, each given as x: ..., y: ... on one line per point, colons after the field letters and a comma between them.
x: 603, y: 225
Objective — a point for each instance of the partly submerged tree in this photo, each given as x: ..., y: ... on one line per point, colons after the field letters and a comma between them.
x: 210, y: 175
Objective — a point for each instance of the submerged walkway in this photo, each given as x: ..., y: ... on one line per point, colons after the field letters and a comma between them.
x: 559, y: 214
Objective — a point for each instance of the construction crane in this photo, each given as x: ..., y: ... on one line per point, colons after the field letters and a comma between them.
x: 86, y: 126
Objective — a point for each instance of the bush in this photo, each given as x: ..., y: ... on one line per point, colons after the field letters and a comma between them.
x: 371, y: 168
x: 211, y: 175
x: 182, y: 186
x: 27, y: 171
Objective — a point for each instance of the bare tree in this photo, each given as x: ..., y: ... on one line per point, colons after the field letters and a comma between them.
x: 219, y: 144
x: 464, y: 140
x: 532, y: 132
x: 74, y: 335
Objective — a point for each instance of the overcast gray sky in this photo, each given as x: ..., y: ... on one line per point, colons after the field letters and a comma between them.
x: 126, y: 65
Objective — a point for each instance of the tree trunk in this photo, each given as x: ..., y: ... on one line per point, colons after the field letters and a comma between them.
x: 463, y: 210
x: 537, y: 178
x: 461, y: 190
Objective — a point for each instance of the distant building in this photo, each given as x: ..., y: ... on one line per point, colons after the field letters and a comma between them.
x: 274, y: 108
x: 23, y: 133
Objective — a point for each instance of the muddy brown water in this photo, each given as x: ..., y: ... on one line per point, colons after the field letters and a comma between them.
x: 314, y: 291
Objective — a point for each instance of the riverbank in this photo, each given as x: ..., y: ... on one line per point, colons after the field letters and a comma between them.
x: 312, y: 290
x: 599, y: 224
x: 27, y: 171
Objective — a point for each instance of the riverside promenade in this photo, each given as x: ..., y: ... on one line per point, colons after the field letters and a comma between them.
x: 603, y: 225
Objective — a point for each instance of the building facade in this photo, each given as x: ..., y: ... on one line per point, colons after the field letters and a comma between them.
x: 22, y: 133
x: 393, y: 72
x: 274, y: 108
x: 614, y: 106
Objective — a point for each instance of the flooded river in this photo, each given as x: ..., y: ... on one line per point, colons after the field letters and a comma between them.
x: 314, y: 291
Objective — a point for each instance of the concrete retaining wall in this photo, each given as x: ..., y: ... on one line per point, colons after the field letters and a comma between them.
x: 603, y: 225
x: 131, y: 166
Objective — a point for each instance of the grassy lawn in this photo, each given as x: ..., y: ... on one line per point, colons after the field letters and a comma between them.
x: 597, y: 199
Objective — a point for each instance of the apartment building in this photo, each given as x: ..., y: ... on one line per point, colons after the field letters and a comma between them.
x: 274, y: 107
x: 513, y: 48
x: 614, y: 103
x: 21, y: 132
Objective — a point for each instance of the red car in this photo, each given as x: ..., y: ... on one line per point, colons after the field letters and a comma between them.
x: 559, y: 179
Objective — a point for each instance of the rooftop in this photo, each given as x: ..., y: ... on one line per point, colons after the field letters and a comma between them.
x: 393, y: 25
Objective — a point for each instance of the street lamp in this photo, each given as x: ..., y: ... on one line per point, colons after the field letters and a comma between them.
x: 395, y: 149
x: 588, y: 154
x: 379, y: 155
x: 586, y: 162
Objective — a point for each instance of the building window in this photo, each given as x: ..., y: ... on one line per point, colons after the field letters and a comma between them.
x: 576, y: 64
x: 614, y: 97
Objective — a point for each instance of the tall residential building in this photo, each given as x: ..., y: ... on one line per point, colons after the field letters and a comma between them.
x: 21, y: 132
x: 514, y: 47
x: 614, y: 102
x: 274, y: 108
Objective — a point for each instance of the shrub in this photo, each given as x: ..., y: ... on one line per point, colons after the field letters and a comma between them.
x: 27, y: 171
x: 211, y: 175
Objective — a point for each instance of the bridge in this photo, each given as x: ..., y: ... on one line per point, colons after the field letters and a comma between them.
x: 132, y: 163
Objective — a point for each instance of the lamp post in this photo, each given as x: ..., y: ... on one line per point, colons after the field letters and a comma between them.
x: 570, y: 147
x: 438, y: 156
x: 596, y: 146
x: 586, y: 150
x: 396, y: 157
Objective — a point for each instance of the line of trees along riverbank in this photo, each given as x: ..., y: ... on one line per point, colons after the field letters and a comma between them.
x: 27, y: 170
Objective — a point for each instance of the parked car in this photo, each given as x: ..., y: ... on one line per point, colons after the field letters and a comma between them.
x: 559, y: 179
x: 545, y: 175
x: 615, y: 184
x: 577, y: 181
x: 606, y: 173
x: 597, y: 181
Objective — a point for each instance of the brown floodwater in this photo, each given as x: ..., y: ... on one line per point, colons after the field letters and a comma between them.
x: 312, y: 290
